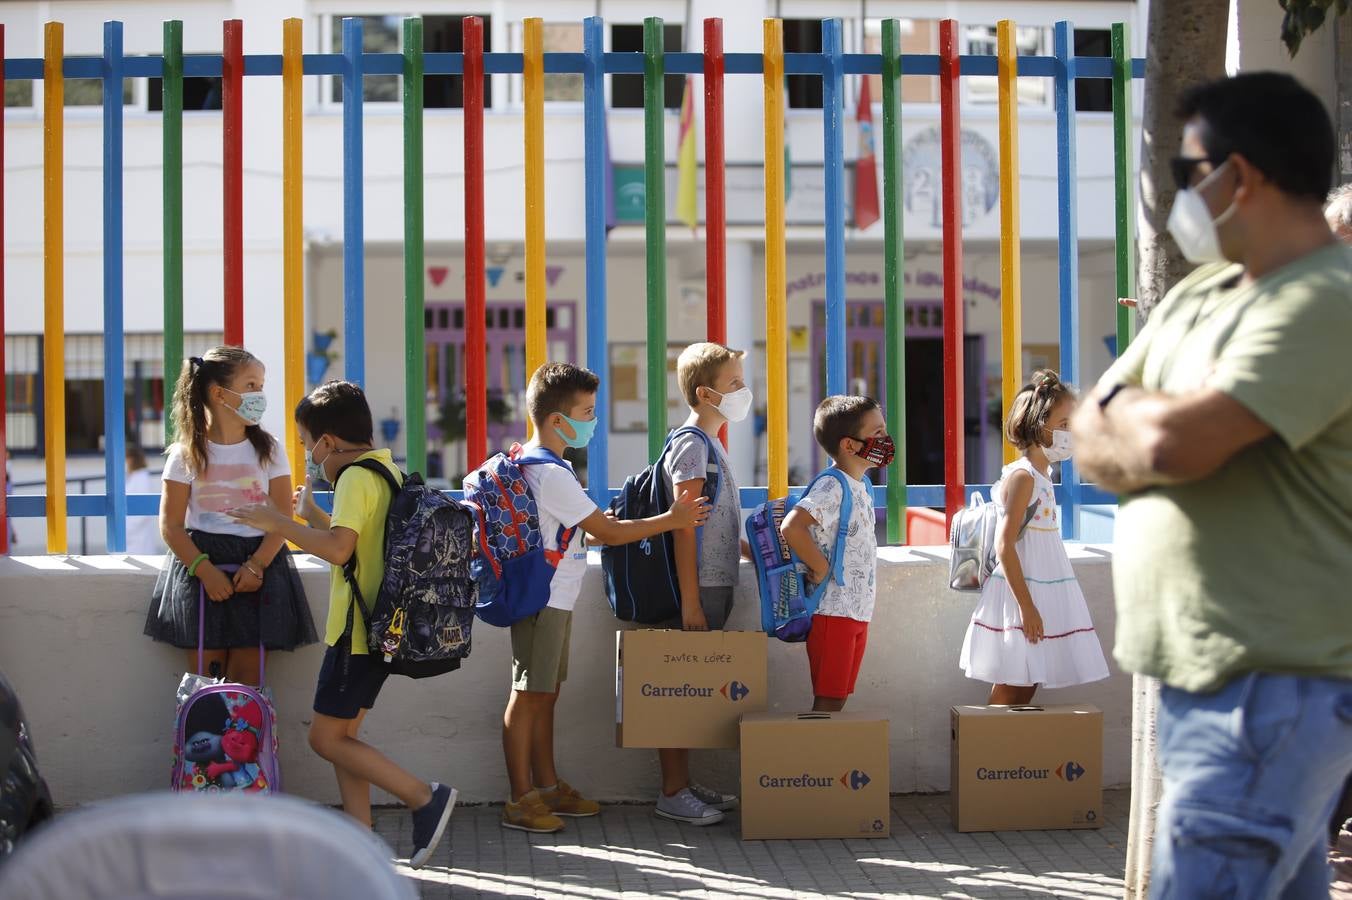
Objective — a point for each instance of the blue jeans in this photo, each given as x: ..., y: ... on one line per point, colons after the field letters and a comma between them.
x: 1251, y: 775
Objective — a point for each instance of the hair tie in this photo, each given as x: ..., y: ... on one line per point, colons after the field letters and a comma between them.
x: 195, y: 361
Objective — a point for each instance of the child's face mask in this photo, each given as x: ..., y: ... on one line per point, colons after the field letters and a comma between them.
x: 1060, y: 450
x: 877, y: 450
x: 734, y: 405
x: 252, y: 405
x: 582, y: 431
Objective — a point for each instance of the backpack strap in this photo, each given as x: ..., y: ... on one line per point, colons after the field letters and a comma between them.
x: 713, y: 457
x: 350, y: 567
x: 543, y: 456
x: 836, y: 561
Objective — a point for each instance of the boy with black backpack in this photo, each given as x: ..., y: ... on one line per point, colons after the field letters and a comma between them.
x: 710, y: 378
x: 561, y: 400
x: 334, y: 423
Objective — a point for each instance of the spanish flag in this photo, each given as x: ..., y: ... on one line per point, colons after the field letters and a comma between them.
x: 687, y: 162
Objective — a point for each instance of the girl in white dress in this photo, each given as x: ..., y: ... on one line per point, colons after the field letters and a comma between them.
x: 1032, y: 626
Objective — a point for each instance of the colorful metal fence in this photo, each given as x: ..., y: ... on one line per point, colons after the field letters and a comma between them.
x: 351, y: 64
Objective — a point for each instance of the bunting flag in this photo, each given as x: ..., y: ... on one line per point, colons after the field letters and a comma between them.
x: 687, y: 163
x: 866, y: 166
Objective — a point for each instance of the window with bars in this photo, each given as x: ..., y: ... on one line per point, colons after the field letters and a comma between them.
x: 1028, y: 41
x: 626, y: 91
x: 384, y: 34
x: 146, y: 395
x: 803, y: 36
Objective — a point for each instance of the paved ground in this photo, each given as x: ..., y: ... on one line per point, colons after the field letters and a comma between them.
x: 626, y: 852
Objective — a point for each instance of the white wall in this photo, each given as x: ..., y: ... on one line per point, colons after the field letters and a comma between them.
x: 99, y: 695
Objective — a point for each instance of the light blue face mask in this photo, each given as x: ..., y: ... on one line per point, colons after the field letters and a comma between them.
x: 582, y: 432
x: 313, y: 470
x: 252, y: 405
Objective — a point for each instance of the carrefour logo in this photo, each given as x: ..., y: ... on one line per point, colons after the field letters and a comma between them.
x: 1070, y: 771
x: 854, y: 780
x: 735, y: 690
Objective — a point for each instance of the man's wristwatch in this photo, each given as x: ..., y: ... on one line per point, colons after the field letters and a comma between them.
x: 1108, y: 397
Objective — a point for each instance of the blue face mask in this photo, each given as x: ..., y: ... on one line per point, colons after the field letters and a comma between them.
x: 313, y: 470
x: 582, y: 432
x: 252, y: 405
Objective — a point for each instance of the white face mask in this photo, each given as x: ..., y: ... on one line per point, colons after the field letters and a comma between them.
x: 735, y: 404
x: 1060, y: 450
x: 1191, y: 224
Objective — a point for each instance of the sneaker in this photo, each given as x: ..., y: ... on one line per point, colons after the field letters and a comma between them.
x: 531, y: 814
x: 712, y: 798
x: 429, y: 823
x: 686, y: 807
x: 563, y: 800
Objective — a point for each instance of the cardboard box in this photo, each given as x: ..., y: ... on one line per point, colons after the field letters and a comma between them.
x: 687, y: 688
x: 1027, y: 767
x: 815, y: 775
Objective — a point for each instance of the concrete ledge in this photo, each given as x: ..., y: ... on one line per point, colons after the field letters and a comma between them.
x: 100, y: 695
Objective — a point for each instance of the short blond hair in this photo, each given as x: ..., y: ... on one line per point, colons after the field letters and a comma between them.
x: 698, y: 366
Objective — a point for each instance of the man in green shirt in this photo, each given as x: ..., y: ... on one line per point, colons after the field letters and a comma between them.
x: 1227, y: 426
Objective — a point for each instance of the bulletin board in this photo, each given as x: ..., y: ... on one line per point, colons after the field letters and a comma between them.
x: 629, y: 387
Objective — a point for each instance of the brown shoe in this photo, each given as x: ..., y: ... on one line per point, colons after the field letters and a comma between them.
x: 563, y: 800
x: 530, y: 814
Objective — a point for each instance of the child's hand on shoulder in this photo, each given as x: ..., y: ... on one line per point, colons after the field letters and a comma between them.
x: 690, y: 511
x: 263, y: 516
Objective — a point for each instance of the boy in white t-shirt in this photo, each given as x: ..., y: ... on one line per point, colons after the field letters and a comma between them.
x: 561, y: 400
x: 853, y: 432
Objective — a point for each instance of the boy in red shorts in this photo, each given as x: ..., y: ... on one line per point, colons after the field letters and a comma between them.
x: 853, y: 432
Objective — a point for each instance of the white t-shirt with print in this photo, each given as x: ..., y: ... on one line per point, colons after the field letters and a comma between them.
x: 720, y: 539
x: 562, y: 502
x: 234, y: 478
x: 854, y: 599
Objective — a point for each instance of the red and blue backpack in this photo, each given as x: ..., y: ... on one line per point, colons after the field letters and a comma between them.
x: 511, y: 566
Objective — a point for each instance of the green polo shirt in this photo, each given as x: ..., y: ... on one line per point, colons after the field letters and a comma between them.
x: 1250, y: 568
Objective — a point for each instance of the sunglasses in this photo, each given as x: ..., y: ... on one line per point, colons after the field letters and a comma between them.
x: 1182, y: 168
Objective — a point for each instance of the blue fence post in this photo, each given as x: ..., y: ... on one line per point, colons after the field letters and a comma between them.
x: 833, y: 104
x: 354, y: 266
x: 114, y: 395
x: 594, y: 162
x: 1068, y: 255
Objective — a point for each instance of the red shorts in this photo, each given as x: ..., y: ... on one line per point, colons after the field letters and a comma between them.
x: 835, y: 649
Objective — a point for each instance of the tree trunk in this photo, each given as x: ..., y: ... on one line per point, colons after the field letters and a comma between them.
x: 1146, y: 785
x: 1185, y: 46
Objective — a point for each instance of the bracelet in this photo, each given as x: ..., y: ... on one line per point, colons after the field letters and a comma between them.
x: 192, y: 569
x: 252, y: 571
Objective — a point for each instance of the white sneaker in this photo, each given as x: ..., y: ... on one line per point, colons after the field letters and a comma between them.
x: 686, y: 807
x: 711, y: 798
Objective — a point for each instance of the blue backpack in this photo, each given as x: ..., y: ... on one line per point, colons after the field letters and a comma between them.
x: 786, y: 605
x: 641, y: 582
x: 512, y: 567
x: 421, y: 619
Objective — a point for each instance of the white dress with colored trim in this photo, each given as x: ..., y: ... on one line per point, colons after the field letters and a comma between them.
x: 995, y: 650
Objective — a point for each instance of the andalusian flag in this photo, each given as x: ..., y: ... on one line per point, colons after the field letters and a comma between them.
x: 687, y: 162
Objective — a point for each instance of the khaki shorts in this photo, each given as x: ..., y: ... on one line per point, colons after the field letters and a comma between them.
x: 540, y: 650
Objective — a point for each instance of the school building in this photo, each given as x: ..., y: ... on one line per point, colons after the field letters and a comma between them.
x: 625, y: 363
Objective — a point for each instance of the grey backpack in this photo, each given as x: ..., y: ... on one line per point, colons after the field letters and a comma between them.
x: 972, y: 541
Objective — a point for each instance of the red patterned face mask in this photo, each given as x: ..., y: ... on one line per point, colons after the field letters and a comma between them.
x: 877, y: 450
